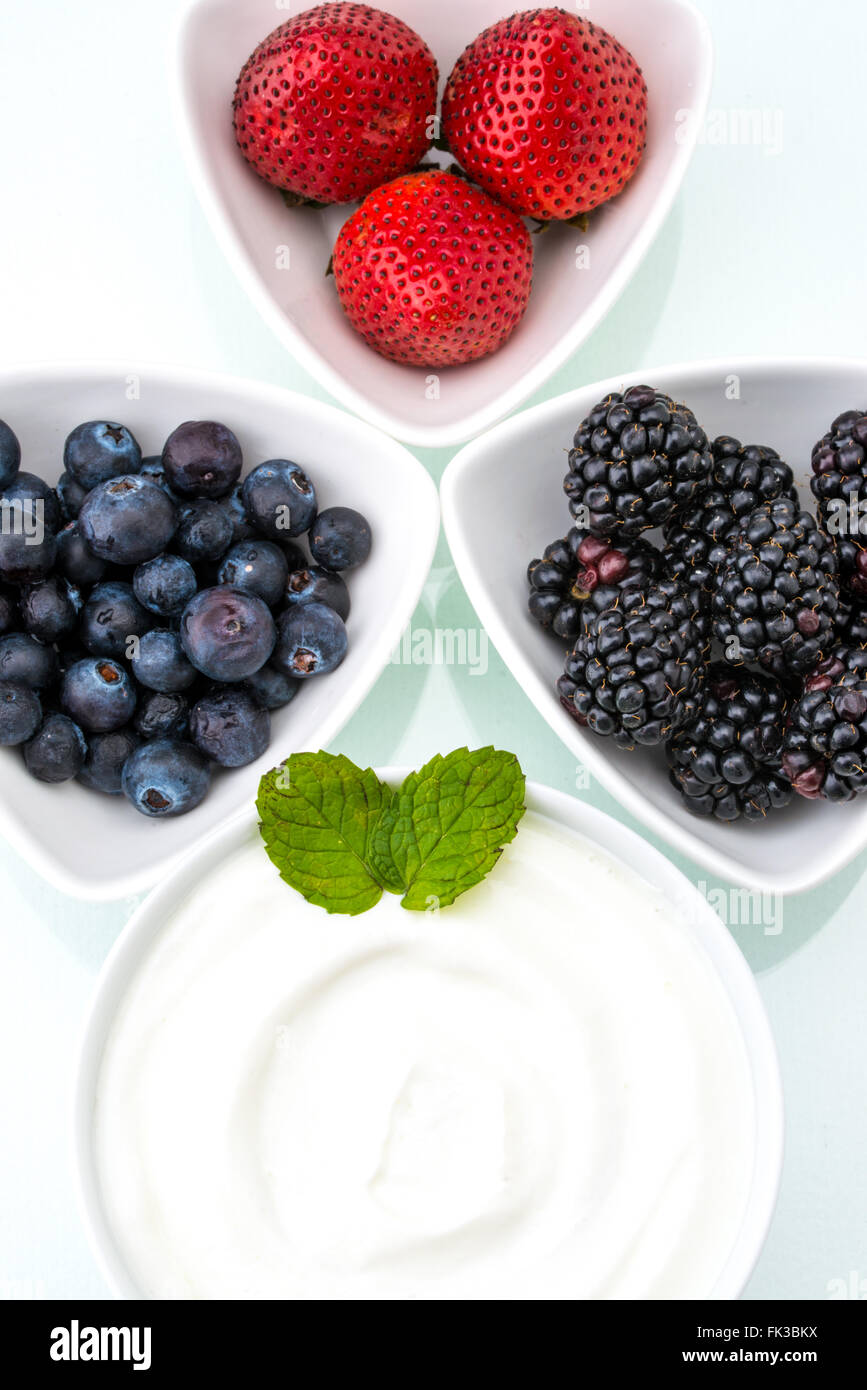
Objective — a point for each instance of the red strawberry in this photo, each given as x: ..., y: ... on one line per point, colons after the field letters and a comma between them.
x: 547, y: 112
x: 431, y: 270
x: 336, y: 101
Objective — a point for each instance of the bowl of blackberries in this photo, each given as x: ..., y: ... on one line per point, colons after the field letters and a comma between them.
x: 159, y: 611
x: 696, y: 624
x: 739, y: 645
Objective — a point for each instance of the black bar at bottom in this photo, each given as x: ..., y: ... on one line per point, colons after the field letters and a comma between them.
x: 161, y: 1339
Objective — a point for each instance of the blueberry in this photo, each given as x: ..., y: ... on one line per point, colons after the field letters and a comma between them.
x: 166, y: 777
x: 100, y: 450
x: 10, y: 455
x: 153, y: 470
x: 233, y: 506
x: 111, y: 616
x: 38, y: 502
x: 230, y: 727
x: 271, y: 688
x: 165, y: 584
x: 311, y: 641
x: 70, y: 496
x: 227, y: 634
x: 340, y: 538
x: 258, y: 567
x: 68, y: 655
x: 280, y: 499
x: 25, y: 661
x: 49, y: 610
x: 152, y: 467
x: 20, y: 713
x: 295, y: 557
x: 316, y: 585
x: 29, y: 514
x: 162, y: 715
x: 75, y: 559
x: 75, y: 594
x: 8, y: 610
x: 204, y: 531
x: 202, y: 459
x: 56, y: 753
x: 104, y: 763
x: 27, y: 550
x: 128, y: 520
x: 98, y: 694
x: 160, y: 664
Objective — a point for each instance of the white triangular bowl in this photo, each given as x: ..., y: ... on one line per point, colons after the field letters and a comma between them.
x: 280, y: 256
x: 98, y: 847
x: 502, y: 503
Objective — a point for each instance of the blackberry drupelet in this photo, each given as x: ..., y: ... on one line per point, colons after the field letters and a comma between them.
x: 776, y: 597
x: 637, y: 669
x: 698, y: 540
x: 851, y: 552
x: 843, y: 659
x: 851, y: 622
x: 726, y: 761
x: 581, y: 565
x: 825, y: 747
x: 636, y: 460
x: 839, y: 484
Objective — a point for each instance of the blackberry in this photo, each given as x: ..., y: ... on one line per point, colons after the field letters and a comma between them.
x: 636, y: 460
x: 636, y: 671
x: 750, y: 474
x: 851, y: 561
x: 841, y: 660
x: 579, y: 565
x: 852, y: 623
x: 726, y: 761
x: 839, y: 484
x: 825, y: 747
x: 776, y: 597
x: 698, y: 540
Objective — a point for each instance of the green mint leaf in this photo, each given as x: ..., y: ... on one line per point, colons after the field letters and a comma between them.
x: 445, y: 829
x: 316, y: 814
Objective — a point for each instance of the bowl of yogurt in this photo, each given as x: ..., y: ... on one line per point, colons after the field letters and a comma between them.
x: 563, y: 1086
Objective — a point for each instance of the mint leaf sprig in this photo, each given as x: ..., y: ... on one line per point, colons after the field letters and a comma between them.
x: 340, y: 836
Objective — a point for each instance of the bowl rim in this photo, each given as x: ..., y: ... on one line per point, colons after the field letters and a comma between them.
x: 484, y: 416
x: 64, y: 374
x: 784, y: 882
x: 622, y: 843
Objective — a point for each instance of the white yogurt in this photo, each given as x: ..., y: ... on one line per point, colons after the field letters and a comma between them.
x: 541, y: 1092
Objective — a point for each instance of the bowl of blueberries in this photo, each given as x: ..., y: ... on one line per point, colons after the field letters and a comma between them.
x: 198, y: 576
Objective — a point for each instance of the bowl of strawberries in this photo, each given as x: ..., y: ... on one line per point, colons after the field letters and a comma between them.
x: 434, y: 208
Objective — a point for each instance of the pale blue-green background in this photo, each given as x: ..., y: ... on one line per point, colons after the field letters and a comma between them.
x: 105, y: 254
